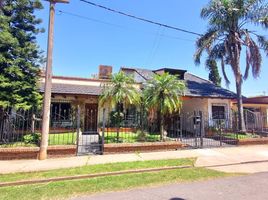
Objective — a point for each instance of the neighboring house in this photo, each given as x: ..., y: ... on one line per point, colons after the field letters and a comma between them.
x: 201, y: 95
x: 69, y: 92
x: 256, y: 112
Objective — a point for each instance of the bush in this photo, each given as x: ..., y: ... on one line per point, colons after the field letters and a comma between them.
x: 141, y: 136
x: 33, y: 138
x: 116, y: 118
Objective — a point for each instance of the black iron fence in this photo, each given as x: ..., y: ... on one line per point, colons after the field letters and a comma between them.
x: 69, y: 126
x: 20, y: 127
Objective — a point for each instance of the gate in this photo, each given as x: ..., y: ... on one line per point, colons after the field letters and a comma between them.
x: 89, y: 140
x: 197, y: 130
x: 253, y: 120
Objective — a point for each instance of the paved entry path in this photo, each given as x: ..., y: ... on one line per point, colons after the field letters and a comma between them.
x: 239, y: 188
x: 229, y: 158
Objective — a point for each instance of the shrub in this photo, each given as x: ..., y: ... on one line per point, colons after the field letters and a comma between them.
x: 141, y: 136
x: 33, y: 138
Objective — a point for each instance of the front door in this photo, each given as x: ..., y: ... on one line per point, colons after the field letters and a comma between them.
x: 91, y: 117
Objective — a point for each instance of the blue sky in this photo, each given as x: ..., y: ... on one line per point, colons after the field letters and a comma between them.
x: 81, y: 45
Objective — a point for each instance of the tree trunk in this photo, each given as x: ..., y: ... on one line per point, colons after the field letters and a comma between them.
x: 241, y: 121
x: 234, y: 52
x: 161, y: 127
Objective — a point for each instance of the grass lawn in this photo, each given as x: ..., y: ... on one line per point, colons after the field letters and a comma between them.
x: 129, y: 137
x: 66, y: 189
x: 53, y: 139
x: 92, y: 169
x: 238, y: 135
x: 62, y: 138
x: 17, y: 144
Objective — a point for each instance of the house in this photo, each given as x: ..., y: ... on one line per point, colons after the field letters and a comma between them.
x: 256, y: 112
x: 201, y: 95
x: 70, y: 92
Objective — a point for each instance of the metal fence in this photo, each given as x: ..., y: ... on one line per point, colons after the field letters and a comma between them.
x: 69, y: 126
x: 23, y: 128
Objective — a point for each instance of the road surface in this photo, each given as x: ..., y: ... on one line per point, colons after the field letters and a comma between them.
x: 247, y: 187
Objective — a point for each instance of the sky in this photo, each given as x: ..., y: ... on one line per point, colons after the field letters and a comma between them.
x: 86, y: 37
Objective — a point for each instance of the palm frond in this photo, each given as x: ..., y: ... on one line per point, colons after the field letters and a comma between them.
x: 204, y: 43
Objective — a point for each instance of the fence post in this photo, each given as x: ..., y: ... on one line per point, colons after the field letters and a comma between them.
x: 103, y: 131
x: 201, y: 128
x: 220, y: 128
x: 181, y: 124
x: 33, y: 124
x: 78, y: 118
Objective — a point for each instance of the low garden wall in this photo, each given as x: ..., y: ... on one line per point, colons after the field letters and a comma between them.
x: 253, y: 141
x: 141, y: 147
x: 17, y: 153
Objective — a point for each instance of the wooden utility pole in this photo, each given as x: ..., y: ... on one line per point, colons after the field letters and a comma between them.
x: 48, y: 81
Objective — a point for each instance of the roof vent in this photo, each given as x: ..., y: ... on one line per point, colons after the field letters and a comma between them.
x: 105, y: 71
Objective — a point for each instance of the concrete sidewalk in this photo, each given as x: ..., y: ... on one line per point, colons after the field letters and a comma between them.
x: 205, y: 157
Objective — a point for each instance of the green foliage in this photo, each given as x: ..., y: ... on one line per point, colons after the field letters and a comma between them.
x: 116, y: 118
x: 163, y: 92
x: 229, y: 34
x: 214, y: 75
x: 33, y: 138
x: 19, y: 53
x: 141, y: 136
x: 120, y: 90
x: 162, y: 95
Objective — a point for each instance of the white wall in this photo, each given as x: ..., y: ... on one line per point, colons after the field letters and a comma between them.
x: 195, y: 104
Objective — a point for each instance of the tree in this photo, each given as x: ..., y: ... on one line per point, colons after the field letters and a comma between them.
x: 19, y: 54
x: 214, y: 75
x: 120, y: 91
x: 162, y: 93
x: 228, y: 34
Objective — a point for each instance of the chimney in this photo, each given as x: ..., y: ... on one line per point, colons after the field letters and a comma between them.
x: 105, y: 71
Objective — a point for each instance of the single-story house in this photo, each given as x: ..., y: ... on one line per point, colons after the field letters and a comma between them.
x: 257, y: 111
x: 69, y: 92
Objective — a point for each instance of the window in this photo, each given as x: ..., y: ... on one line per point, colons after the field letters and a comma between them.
x: 60, y: 111
x: 61, y: 115
x: 218, y: 112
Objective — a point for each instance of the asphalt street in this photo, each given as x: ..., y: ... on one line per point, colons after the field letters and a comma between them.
x: 248, y: 187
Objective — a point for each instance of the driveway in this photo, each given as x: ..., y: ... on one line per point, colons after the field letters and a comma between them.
x: 238, y: 188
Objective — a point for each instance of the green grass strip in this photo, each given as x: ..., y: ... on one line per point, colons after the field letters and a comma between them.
x: 66, y: 189
x: 93, y: 169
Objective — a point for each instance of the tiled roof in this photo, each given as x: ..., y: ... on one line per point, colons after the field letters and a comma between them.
x: 197, y: 86
x: 256, y: 100
x: 58, y: 88
x: 145, y: 73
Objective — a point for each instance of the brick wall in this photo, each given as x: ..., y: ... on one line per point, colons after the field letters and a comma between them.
x: 141, y: 147
x: 32, y: 152
x: 253, y: 141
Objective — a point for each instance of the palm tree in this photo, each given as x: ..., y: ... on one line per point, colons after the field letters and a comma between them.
x: 227, y: 36
x: 162, y: 94
x: 214, y: 75
x: 120, y: 91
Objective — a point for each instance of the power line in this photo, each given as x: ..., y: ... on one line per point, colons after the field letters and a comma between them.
x: 140, y: 18
x: 87, y: 18
x: 117, y: 26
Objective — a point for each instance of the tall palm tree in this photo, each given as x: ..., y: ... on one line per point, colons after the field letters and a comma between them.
x: 214, y: 74
x: 162, y: 94
x: 120, y: 91
x: 228, y: 35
